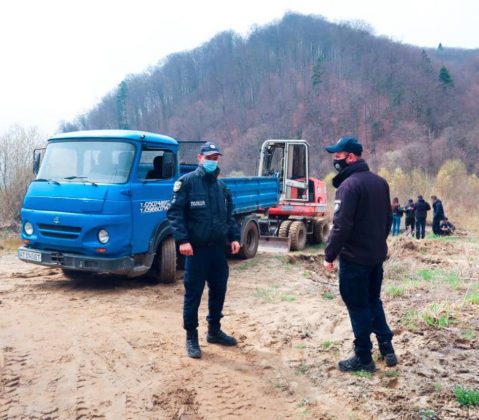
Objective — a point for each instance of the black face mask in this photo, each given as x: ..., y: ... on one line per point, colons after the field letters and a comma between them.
x: 339, y: 164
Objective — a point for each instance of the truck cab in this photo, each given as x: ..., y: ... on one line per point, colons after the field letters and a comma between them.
x: 98, y: 203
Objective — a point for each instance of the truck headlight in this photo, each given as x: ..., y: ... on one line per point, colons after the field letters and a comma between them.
x: 103, y: 236
x: 28, y: 228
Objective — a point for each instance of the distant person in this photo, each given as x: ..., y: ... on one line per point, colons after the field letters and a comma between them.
x: 446, y: 227
x: 409, y: 211
x: 421, y: 208
x: 397, y: 212
x: 361, y: 224
x: 437, y: 214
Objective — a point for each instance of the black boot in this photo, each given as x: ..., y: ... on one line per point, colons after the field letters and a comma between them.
x: 192, y: 346
x: 355, y: 363
x: 216, y: 336
x: 387, y: 354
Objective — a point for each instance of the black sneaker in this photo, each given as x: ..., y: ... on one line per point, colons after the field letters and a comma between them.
x: 354, y: 364
x: 192, y: 346
x: 387, y: 354
x: 216, y: 336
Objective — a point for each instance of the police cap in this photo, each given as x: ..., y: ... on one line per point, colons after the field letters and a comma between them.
x: 346, y: 144
x: 209, y: 149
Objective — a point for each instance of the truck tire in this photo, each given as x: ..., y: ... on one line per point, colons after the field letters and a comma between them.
x: 250, y: 241
x: 321, y: 231
x: 166, y: 261
x: 284, y: 228
x: 297, y: 233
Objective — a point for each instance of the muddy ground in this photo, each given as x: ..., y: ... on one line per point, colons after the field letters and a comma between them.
x: 108, y: 347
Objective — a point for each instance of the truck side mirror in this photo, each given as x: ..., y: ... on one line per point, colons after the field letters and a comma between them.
x: 37, y: 158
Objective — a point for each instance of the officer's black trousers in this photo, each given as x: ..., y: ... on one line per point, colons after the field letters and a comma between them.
x: 360, y: 288
x: 420, y: 227
x: 208, y: 264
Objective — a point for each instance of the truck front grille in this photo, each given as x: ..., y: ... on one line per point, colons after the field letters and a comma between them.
x: 56, y: 231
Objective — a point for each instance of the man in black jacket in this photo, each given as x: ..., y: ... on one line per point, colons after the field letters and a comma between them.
x: 409, y: 210
x: 361, y: 223
x: 421, y: 208
x: 201, y: 218
x: 437, y: 214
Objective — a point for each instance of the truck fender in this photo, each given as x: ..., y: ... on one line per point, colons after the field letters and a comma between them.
x: 162, y: 231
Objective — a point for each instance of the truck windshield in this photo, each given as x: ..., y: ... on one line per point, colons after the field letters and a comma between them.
x: 87, y: 161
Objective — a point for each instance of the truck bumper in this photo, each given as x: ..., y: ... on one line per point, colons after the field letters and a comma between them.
x: 121, y: 265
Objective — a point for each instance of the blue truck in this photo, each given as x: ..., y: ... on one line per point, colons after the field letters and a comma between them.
x: 99, y: 200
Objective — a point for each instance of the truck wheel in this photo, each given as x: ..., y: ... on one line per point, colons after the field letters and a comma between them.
x: 297, y: 233
x: 321, y: 231
x: 284, y: 228
x: 250, y: 241
x: 166, y: 261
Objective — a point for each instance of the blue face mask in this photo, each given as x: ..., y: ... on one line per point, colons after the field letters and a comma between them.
x: 210, y: 165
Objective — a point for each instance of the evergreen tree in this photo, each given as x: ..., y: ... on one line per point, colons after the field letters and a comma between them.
x: 445, y: 78
x: 317, y: 72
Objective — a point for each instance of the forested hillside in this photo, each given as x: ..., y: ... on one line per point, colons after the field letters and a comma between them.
x: 304, y: 77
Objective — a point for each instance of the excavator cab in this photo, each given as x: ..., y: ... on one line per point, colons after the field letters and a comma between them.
x: 288, y: 160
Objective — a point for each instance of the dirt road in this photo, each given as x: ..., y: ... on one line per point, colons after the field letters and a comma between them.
x: 114, y: 348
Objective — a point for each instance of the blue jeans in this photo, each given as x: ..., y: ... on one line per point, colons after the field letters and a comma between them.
x: 360, y: 288
x: 396, y: 224
x: 207, y: 265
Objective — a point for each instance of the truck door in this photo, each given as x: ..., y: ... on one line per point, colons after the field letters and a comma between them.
x: 152, y: 188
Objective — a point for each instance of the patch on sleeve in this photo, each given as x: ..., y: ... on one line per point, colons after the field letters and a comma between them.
x: 337, y: 205
x: 177, y: 186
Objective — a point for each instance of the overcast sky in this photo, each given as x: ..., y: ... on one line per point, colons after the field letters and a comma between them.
x: 60, y: 57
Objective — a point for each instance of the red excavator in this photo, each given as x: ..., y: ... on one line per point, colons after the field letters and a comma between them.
x: 301, y: 214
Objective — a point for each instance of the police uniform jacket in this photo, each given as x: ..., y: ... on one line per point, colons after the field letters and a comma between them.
x: 362, y: 217
x: 201, y: 210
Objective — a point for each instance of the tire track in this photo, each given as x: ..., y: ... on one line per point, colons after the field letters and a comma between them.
x: 13, y: 364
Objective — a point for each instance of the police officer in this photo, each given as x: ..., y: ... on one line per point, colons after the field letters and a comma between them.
x: 361, y: 223
x: 421, y: 208
x: 201, y: 218
x: 437, y: 214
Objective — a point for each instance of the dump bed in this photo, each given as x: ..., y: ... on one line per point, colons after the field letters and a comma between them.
x: 251, y: 194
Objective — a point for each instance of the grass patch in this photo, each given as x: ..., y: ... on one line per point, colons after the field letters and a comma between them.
x: 437, y: 387
x: 466, y: 396
x: 247, y: 264
x: 395, y: 291
x: 302, y: 369
x: 427, y: 413
x: 391, y: 374
x: 300, y: 346
x: 468, y: 335
x: 453, y: 279
x: 410, y: 319
x: 363, y: 374
x: 472, y: 297
x: 327, y: 345
x: 437, y: 315
x: 328, y: 296
x: 273, y: 295
x: 425, y: 274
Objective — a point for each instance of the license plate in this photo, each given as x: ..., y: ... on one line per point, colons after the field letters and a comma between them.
x: 30, y: 255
